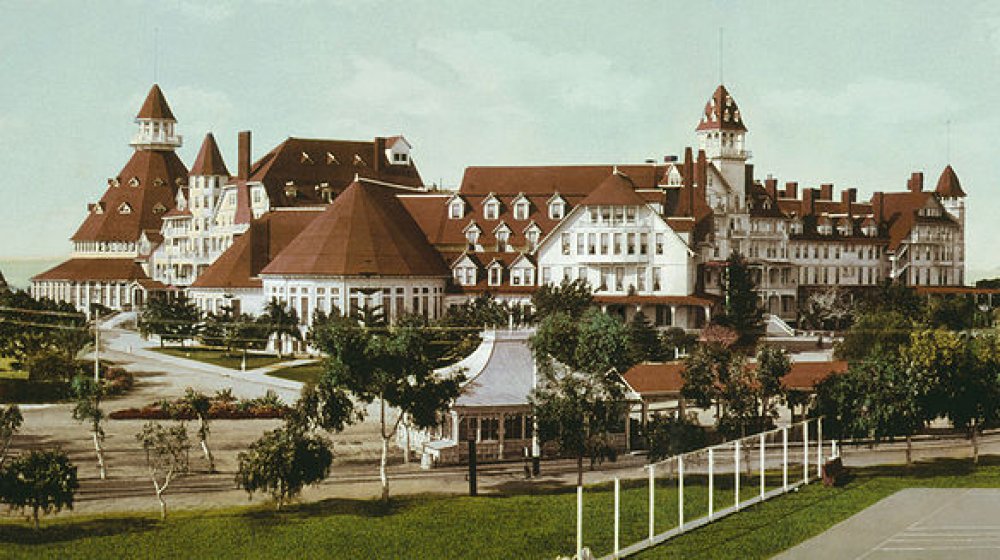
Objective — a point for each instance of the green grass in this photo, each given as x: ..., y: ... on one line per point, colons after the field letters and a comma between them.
x: 219, y: 357
x: 305, y: 373
x: 8, y: 372
x: 526, y: 526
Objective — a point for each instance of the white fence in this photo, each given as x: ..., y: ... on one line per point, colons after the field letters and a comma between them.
x: 691, y: 490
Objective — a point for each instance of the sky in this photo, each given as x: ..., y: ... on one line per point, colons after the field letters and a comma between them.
x: 859, y: 94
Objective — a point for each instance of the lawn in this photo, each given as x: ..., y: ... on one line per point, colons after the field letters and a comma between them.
x: 219, y: 356
x: 304, y: 373
x: 533, y: 526
x: 8, y: 372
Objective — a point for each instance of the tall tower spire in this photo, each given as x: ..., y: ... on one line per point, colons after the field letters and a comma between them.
x: 156, y: 124
x: 722, y: 135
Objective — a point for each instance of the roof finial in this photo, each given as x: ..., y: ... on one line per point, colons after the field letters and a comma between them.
x: 721, y: 81
x: 614, y: 170
x: 356, y: 177
x: 948, y: 145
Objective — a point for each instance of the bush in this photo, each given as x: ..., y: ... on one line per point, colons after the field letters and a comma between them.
x: 117, y: 381
x: 670, y: 435
x: 25, y: 391
x: 223, y: 406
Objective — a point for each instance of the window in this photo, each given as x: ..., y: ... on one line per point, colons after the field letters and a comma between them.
x: 656, y: 278
x: 630, y: 243
x: 643, y: 242
x: 546, y: 275
x: 591, y: 243
x: 619, y: 278
x: 513, y: 427
x: 472, y: 235
x: 496, y: 275
x: 664, y: 316
x: 532, y: 236
x: 557, y: 208
x: 492, y: 210
x: 593, y: 214
x: 659, y: 243
x: 489, y: 429
x: 456, y: 210
x: 581, y: 273
x: 565, y: 238
x: 503, y: 236
x: 630, y: 214
x: 521, y: 210
x: 604, y: 243
x: 581, y: 244
x: 640, y: 279
x: 605, y: 278
x: 619, y: 215
x: 618, y: 243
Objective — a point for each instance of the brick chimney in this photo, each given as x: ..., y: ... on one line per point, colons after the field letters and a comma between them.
x: 878, y: 200
x: 689, y: 178
x: 826, y: 191
x: 243, y: 166
x: 916, y: 182
x: 771, y: 186
x: 808, y: 202
x: 748, y: 178
x: 791, y: 189
x: 377, y: 156
x: 701, y: 171
x: 847, y: 199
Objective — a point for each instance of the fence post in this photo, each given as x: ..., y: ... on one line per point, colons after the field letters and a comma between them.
x: 711, y: 482
x: 784, y: 458
x: 652, y: 486
x: 617, y: 515
x: 680, y: 492
x: 805, y: 452
x: 763, y: 465
x: 819, y: 448
x: 736, y: 473
x: 834, y: 452
x: 579, y: 521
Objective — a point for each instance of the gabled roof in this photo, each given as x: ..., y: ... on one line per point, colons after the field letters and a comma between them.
x: 240, y: 265
x: 209, y: 160
x: 616, y: 189
x: 569, y: 181
x: 721, y: 112
x: 948, y: 185
x: 900, y: 211
x: 366, y: 231
x: 157, y: 173
x: 155, y: 106
x: 285, y: 164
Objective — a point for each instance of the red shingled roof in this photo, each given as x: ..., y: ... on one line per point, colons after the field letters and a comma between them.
x: 94, y: 269
x: 617, y: 189
x: 240, y: 265
x: 155, y: 106
x: 651, y: 379
x: 307, y: 163
x: 209, y: 160
x: 948, y: 184
x: 564, y: 179
x: 366, y: 231
x: 157, y: 173
x: 721, y: 112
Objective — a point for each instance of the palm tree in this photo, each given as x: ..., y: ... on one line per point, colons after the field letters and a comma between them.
x: 281, y: 321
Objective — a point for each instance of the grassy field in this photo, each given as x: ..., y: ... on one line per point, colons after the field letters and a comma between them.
x: 304, y: 373
x: 219, y: 357
x: 532, y: 526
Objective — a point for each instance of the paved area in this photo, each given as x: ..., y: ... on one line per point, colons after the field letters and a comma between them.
x: 920, y: 523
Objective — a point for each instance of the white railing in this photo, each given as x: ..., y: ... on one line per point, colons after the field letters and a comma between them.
x: 717, y: 481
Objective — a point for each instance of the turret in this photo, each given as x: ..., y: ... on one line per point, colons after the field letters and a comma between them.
x: 156, y: 124
x: 722, y: 134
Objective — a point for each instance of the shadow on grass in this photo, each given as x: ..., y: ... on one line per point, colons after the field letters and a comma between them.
x: 63, y: 531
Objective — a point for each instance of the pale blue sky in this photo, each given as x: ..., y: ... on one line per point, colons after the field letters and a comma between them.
x: 855, y: 93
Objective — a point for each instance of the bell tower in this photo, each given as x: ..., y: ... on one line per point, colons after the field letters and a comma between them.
x: 722, y: 135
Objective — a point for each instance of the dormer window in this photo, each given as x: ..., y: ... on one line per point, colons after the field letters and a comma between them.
x: 400, y: 158
x: 557, y: 208
x: 158, y: 182
x: 532, y: 233
x: 124, y: 208
x: 502, y: 233
x: 331, y: 159
x: 472, y: 232
x: 521, y: 207
x: 491, y: 208
x: 359, y: 161
x: 496, y: 274
x: 290, y: 190
x: 326, y: 192
x: 306, y: 159
x: 159, y: 208
x: 113, y: 182
x: 456, y: 209
x: 133, y: 182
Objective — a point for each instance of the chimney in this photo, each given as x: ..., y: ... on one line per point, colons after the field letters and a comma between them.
x: 689, y: 179
x: 847, y: 199
x: 771, y: 186
x: 879, y: 202
x: 792, y: 190
x: 808, y: 206
x: 826, y: 191
x: 377, y: 156
x: 243, y: 169
x: 748, y: 178
x: 916, y: 182
x: 701, y: 173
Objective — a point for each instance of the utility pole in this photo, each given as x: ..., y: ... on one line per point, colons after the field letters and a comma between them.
x: 97, y: 346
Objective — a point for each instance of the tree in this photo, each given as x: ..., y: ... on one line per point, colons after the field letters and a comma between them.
x: 951, y: 311
x: 51, y: 365
x: 672, y: 435
x: 280, y: 321
x: 42, y: 481
x: 644, y: 343
x: 166, y: 456
x: 176, y: 319
x: 29, y: 327
x: 199, y: 404
x: 772, y: 365
x: 827, y: 310
x: 10, y: 422
x: 87, y: 408
x: 578, y: 411
x: 579, y: 400
x: 572, y: 297
x: 676, y: 341
x: 389, y: 366
x: 741, y: 309
x: 875, y: 333
x: 282, y: 462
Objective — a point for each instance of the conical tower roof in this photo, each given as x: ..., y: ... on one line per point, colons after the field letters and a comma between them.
x: 365, y: 232
x: 155, y: 106
x: 209, y: 160
x: 721, y: 112
x: 948, y: 184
